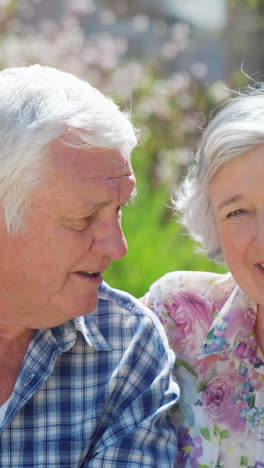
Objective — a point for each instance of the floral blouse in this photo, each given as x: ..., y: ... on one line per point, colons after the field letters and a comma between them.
x: 220, y: 369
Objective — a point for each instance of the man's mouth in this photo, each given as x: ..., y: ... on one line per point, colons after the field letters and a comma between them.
x: 260, y: 267
x: 89, y: 274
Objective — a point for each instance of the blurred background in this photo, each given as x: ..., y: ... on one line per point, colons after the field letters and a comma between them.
x: 167, y: 62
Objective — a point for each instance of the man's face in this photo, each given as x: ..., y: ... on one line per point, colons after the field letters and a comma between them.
x: 73, y: 232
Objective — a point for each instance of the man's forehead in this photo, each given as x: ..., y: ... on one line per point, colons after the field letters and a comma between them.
x: 89, y: 162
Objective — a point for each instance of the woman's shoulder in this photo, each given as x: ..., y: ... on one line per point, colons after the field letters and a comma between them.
x: 186, y: 303
x: 207, y: 285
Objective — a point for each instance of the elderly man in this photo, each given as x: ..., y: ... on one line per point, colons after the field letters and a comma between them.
x: 85, y: 370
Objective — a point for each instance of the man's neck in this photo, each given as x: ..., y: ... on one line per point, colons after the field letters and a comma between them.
x: 14, y: 342
x: 11, y: 336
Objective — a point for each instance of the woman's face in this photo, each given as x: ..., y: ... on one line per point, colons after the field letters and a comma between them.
x: 237, y: 195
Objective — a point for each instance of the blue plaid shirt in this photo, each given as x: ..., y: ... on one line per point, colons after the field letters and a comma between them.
x: 94, y: 392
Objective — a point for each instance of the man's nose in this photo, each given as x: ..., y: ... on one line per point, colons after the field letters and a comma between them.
x: 110, y: 241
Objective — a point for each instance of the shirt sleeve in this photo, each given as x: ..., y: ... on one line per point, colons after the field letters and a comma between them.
x: 136, y: 429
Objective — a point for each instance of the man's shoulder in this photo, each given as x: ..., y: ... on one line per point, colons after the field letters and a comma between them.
x: 120, y: 316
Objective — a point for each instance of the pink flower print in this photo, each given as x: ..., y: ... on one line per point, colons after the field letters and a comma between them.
x: 192, y: 319
x: 248, y: 351
x: 222, y: 402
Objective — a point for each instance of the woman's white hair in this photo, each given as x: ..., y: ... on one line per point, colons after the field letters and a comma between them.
x: 236, y: 129
x: 38, y: 105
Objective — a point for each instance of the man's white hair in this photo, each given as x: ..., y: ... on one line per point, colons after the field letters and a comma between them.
x: 234, y: 130
x: 39, y: 105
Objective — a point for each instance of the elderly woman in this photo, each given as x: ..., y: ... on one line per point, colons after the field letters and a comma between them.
x: 215, y: 323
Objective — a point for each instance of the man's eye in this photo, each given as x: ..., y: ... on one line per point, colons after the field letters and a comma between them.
x: 81, y: 224
x: 235, y: 213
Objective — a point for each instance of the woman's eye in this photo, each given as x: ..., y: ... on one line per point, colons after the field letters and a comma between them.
x: 236, y: 213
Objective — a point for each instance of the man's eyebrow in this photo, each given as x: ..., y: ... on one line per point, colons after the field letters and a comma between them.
x: 228, y: 201
x: 97, y: 206
x: 108, y: 202
x: 83, y: 213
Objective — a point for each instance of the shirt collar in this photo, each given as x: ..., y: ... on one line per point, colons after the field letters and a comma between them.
x: 88, y: 326
x: 64, y: 336
x: 233, y: 326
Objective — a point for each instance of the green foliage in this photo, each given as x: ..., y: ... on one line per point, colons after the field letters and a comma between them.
x: 154, y: 248
x: 246, y: 3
